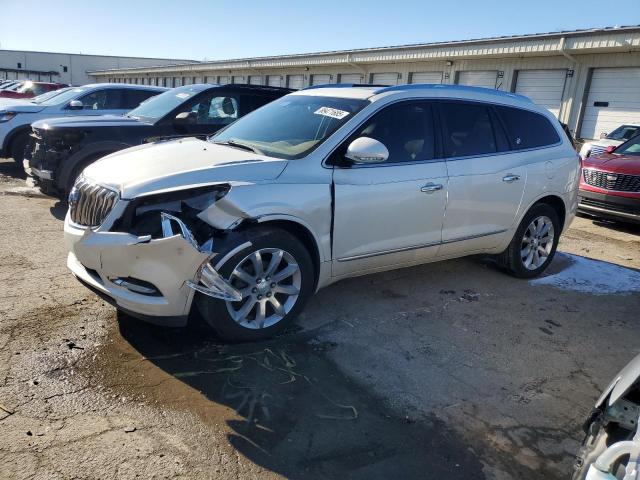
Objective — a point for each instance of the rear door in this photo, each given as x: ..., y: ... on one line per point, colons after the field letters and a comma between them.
x: 486, y: 183
x: 390, y: 214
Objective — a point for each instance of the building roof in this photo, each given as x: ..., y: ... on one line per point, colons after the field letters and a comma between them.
x: 609, y: 39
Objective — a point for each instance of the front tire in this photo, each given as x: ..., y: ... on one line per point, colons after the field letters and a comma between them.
x: 275, y: 275
x: 18, y: 147
x: 534, y: 243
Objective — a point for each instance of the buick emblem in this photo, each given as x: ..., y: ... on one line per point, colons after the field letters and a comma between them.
x: 74, y: 196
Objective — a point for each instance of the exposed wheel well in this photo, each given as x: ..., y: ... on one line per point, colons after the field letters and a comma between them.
x: 15, y: 134
x: 558, y: 205
x: 77, y: 168
x: 305, y: 236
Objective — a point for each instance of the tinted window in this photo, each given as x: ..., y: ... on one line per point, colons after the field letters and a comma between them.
x: 162, y: 104
x: 406, y: 129
x: 215, y: 110
x: 467, y: 129
x: 625, y: 132
x: 108, y: 99
x: 133, y: 98
x: 527, y: 129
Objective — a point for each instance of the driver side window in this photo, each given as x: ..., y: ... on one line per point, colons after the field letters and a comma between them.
x: 406, y: 129
x: 216, y: 110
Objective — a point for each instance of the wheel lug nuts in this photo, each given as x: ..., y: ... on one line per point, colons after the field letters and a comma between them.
x: 254, y: 290
x: 258, y: 280
x: 273, y: 285
x: 268, y: 294
x: 268, y: 278
x: 259, y: 297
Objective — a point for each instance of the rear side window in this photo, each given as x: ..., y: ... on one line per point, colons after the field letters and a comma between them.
x: 133, y: 98
x: 527, y: 129
x: 467, y: 129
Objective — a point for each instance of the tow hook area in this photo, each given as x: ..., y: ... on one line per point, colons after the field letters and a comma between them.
x: 207, y: 280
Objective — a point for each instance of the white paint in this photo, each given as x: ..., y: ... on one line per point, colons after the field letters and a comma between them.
x: 544, y: 87
x: 592, y: 276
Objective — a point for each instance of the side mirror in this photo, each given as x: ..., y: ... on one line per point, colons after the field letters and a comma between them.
x: 185, y: 117
x: 603, y: 135
x: 75, y: 105
x: 367, y: 150
x: 610, y: 149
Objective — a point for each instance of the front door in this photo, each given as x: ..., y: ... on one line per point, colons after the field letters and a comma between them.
x: 390, y: 214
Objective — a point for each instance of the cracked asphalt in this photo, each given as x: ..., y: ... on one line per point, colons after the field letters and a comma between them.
x: 449, y: 370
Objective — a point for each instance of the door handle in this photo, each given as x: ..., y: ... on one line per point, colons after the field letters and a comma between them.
x: 431, y: 187
x: 510, y: 178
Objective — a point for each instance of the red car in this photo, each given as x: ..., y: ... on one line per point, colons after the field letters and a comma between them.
x: 610, y: 183
x: 31, y: 89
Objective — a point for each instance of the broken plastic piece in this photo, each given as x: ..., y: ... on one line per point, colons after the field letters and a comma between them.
x: 214, y: 285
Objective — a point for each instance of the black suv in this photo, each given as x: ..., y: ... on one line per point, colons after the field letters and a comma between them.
x: 63, y: 147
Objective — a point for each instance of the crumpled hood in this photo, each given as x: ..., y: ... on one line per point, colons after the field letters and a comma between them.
x: 20, y: 106
x: 87, y: 121
x: 610, y: 162
x: 177, y: 164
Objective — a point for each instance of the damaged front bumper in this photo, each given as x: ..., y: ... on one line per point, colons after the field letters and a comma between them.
x: 153, y: 279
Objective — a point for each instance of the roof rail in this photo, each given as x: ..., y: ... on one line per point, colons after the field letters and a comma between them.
x: 342, y: 85
x: 462, y: 88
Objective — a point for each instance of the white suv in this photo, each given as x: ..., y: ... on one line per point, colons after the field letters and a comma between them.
x: 322, y: 184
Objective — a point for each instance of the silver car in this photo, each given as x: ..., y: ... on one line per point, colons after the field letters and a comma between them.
x: 16, y: 116
x: 320, y: 185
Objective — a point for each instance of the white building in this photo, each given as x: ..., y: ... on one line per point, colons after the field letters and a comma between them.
x: 589, y: 78
x: 68, y: 68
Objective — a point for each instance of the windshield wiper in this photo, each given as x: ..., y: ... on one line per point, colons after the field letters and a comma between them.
x: 242, y: 146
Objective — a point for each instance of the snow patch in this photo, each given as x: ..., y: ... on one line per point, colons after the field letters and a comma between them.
x: 592, y: 276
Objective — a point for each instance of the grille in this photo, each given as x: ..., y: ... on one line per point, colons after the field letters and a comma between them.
x: 89, y: 204
x: 612, y: 181
x: 597, y: 150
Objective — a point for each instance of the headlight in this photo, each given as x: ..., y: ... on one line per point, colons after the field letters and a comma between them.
x: 6, y: 116
x: 142, y: 216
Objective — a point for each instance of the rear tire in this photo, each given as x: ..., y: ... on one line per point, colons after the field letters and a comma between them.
x: 276, y: 276
x: 534, y: 243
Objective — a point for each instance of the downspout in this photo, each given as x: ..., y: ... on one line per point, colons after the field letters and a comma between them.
x: 564, y: 52
x: 574, y: 86
x: 351, y: 63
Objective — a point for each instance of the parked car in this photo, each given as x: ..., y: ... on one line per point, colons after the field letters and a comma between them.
x: 320, y: 185
x: 63, y: 147
x: 31, y: 89
x: 16, y: 116
x: 613, y: 421
x: 610, y: 183
x: 613, y: 139
x: 8, y: 84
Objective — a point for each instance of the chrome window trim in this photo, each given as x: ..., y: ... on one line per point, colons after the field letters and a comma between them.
x: 440, y: 159
x: 417, y: 247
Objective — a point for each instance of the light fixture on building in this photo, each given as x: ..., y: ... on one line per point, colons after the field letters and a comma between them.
x: 449, y: 63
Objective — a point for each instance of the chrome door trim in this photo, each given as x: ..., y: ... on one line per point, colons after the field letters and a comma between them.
x: 416, y: 247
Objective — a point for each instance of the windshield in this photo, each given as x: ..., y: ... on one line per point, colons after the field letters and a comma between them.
x: 67, y: 95
x: 631, y: 147
x: 46, y: 96
x: 292, y: 126
x: 625, y: 132
x: 157, y: 107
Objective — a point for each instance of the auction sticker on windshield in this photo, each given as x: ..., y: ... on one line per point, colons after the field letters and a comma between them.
x: 331, y: 112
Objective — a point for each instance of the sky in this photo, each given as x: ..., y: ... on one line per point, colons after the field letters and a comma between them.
x: 214, y: 30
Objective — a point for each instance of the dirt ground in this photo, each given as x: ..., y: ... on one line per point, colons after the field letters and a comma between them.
x: 450, y: 370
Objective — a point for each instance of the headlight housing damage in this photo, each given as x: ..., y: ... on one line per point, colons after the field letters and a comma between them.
x: 143, y: 215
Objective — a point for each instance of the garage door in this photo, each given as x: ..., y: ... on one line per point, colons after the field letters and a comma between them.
x: 384, y: 78
x: 350, y: 78
x: 274, y: 81
x: 613, y: 100
x: 295, y: 81
x: 238, y: 79
x: 223, y: 80
x: 255, y: 80
x: 320, y: 79
x: 544, y: 87
x: 426, y: 77
x: 480, y: 78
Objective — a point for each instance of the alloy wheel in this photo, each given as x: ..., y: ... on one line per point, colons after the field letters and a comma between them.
x: 537, y: 242
x: 269, y: 280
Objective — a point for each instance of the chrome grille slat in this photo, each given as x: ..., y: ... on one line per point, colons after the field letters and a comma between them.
x: 89, y: 204
x: 618, y: 182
